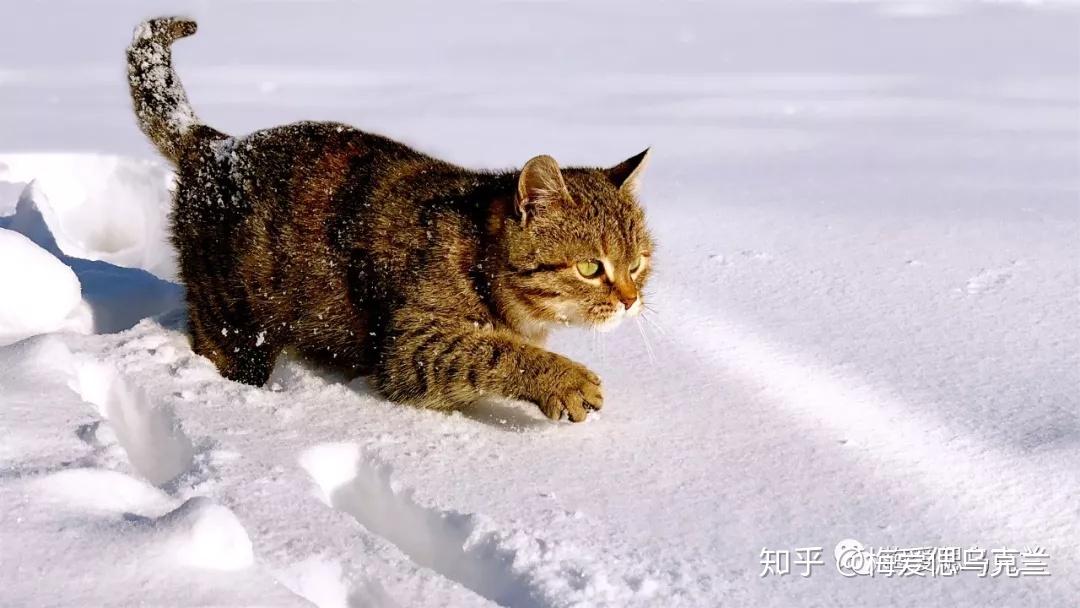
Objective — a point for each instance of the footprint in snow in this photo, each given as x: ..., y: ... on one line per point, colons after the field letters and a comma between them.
x: 990, y: 280
x: 739, y: 256
x: 510, y: 568
x: 149, y: 433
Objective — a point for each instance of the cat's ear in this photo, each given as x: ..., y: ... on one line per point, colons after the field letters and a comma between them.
x: 626, y: 174
x: 540, y: 184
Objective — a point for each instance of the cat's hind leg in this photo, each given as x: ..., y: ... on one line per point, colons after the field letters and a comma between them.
x: 240, y: 350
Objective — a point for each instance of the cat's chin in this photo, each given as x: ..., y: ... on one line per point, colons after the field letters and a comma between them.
x: 611, y: 322
x: 617, y: 317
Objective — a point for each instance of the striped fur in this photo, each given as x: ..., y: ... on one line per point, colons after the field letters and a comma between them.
x: 363, y: 254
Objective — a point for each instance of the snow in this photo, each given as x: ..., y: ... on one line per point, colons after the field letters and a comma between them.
x: 867, y: 329
x: 101, y: 207
x: 43, y: 294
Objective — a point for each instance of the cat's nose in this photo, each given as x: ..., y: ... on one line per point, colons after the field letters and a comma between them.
x: 627, y: 292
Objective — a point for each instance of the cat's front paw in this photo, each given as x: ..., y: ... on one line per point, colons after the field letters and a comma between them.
x: 573, y: 389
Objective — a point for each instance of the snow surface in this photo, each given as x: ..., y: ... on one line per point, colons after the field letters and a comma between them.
x: 867, y: 287
x: 46, y: 297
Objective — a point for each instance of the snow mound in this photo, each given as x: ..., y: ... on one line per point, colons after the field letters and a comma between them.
x: 100, y: 207
x: 114, y: 297
x: 100, y: 490
x: 207, y: 535
x: 43, y: 295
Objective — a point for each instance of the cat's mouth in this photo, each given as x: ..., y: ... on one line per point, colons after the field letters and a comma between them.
x: 613, y: 317
x: 613, y: 320
x: 602, y: 317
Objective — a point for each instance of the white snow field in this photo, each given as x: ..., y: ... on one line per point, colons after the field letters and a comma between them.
x: 867, y: 328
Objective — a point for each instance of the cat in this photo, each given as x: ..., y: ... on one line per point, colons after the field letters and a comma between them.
x: 440, y: 283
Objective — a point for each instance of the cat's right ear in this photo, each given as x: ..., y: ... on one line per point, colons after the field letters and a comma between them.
x: 540, y: 184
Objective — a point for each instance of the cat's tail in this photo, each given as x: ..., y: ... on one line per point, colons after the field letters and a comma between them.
x: 161, y: 105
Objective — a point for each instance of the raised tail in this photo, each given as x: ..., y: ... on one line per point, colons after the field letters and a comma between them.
x: 160, y: 102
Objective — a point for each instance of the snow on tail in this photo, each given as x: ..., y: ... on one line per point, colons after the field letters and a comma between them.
x: 161, y: 105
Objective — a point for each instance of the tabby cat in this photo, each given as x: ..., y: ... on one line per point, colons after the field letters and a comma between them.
x: 439, y: 282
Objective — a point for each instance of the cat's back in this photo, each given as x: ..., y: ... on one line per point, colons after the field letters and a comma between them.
x: 294, y: 175
x: 275, y: 157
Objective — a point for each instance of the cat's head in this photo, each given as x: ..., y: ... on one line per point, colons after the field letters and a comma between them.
x: 578, y: 250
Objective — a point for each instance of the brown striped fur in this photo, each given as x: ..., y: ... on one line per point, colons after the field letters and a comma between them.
x: 438, y: 281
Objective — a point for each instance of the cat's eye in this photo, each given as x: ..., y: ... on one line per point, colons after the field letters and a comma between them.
x: 636, y: 266
x: 590, y: 269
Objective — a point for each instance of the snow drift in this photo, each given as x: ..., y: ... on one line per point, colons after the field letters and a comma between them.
x: 42, y: 295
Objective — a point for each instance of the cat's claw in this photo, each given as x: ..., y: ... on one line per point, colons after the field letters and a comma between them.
x: 594, y: 397
x: 579, y: 394
x: 575, y: 410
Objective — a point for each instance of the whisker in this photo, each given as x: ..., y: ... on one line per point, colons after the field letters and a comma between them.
x: 645, y: 340
x: 654, y: 324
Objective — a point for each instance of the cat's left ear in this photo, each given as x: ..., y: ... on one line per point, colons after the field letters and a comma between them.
x: 626, y: 174
x: 539, y: 185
